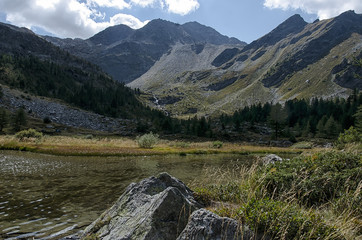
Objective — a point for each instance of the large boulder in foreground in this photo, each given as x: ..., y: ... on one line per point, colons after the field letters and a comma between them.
x: 204, y: 225
x: 155, y: 208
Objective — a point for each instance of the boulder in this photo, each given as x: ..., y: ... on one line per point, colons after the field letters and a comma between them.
x: 271, y: 159
x: 204, y: 224
x: 155, y: 208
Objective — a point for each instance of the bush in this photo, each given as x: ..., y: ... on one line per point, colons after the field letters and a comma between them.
x: 350, y: 135
x: 279, y: 220
x: 315, y: 179
x: 217, y: 144
x: 28, y: 134
x: 147, y: 140
x: 47, y: 120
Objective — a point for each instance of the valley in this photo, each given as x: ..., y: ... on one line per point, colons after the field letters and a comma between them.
x: 80, y: 119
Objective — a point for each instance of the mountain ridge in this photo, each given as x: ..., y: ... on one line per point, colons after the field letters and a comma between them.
x: 133, y: 53
x: 295, y: 60
x: 201, y: 72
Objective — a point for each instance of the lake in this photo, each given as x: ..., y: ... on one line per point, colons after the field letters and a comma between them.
x: 46, y: 197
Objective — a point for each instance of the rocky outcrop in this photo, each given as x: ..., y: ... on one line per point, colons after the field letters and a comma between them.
x: 162, y: 208
x: 155, y: 208
x: 204, y: 224
x: 271, y: 159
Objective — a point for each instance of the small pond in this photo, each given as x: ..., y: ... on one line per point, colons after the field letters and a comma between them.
x: 45, y: 197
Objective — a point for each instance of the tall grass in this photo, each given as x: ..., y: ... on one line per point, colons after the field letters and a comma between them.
x: 309, y: 197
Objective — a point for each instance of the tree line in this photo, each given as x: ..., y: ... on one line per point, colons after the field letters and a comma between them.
x: 324, y: 118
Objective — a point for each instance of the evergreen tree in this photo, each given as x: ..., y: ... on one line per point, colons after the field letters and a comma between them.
x: 321, y: 129
x: 3, y: 119
x: 358, y: 119
x: 19, y: 120
x: 332, y: 128
x: 307, y: 132
x: 277, y: 117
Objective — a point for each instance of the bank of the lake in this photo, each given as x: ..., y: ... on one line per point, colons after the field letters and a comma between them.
x: 117, y: 146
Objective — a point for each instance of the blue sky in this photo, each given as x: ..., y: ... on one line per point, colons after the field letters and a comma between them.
x: 246, y: 20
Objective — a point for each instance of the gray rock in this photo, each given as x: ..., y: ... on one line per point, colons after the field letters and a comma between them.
x: 204, y: 224
x: 155, y: 208
x: 271, y: 159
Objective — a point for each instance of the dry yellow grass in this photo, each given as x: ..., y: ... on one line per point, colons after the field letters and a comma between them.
x: 114, y: 146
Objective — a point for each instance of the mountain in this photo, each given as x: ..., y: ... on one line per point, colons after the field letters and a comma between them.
x: 295, y: 60
x: 37, y: 68
x: 127, y: 54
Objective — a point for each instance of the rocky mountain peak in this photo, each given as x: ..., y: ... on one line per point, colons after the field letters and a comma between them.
x: 202, y: 33
x: 112, y: 34
x: 292, y: 25
x: 346, y: 22
x: 160, y: 31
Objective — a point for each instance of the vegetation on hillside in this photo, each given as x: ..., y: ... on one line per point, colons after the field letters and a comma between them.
x: 300, y: 118
x: 93, y: 91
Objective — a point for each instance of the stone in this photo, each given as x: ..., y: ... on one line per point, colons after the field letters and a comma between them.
x: 155, y: 208
x: 204, y: 224
x: 271, y: 159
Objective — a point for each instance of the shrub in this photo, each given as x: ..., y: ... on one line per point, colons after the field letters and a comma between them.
x: 280, y: 220
x: 350, y: 135
x: 47, y: 120
x: 315, y: 179
x: 217, y: 144
x: 147, y: 140
x: 28, y: 134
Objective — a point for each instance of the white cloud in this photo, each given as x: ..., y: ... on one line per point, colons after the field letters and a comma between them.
x: 83, y: 18
x: 118, y: 4
x: 128, y: 20
x: 323, y: 8
x: 64, y: 18
x: 144, y: 3
x: 182, y: 7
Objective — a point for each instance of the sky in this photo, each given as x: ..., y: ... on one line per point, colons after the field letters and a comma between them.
x: 246, y: 20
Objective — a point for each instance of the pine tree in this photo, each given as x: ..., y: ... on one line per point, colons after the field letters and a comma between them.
x: 278, y: 115
x: 19, y: 120
x: 358, y: 119
x: 332, y: 128
x: 307, y: 130
x: 321, y: 129
x: 3, y: 119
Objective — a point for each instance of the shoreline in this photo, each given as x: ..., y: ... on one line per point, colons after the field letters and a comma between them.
x: 75, y: 146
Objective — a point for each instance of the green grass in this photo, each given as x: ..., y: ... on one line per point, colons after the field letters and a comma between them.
x: 314, y: 196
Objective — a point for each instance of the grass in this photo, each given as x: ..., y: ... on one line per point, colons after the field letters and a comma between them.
x: 313, y: 196
x: 117, y: 146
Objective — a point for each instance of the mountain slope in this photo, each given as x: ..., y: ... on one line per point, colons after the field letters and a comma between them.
x: 33, y: 65
x: 295, y: 60
x: 127, y: 54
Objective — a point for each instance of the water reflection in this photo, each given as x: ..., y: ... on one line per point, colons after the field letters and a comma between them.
x: 45, y: 197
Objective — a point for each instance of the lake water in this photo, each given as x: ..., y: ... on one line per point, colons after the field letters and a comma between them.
x: 45, y: 197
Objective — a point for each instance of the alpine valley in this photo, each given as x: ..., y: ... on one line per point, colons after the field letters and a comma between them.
x: 184, y: 70
x: 191, y: 69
